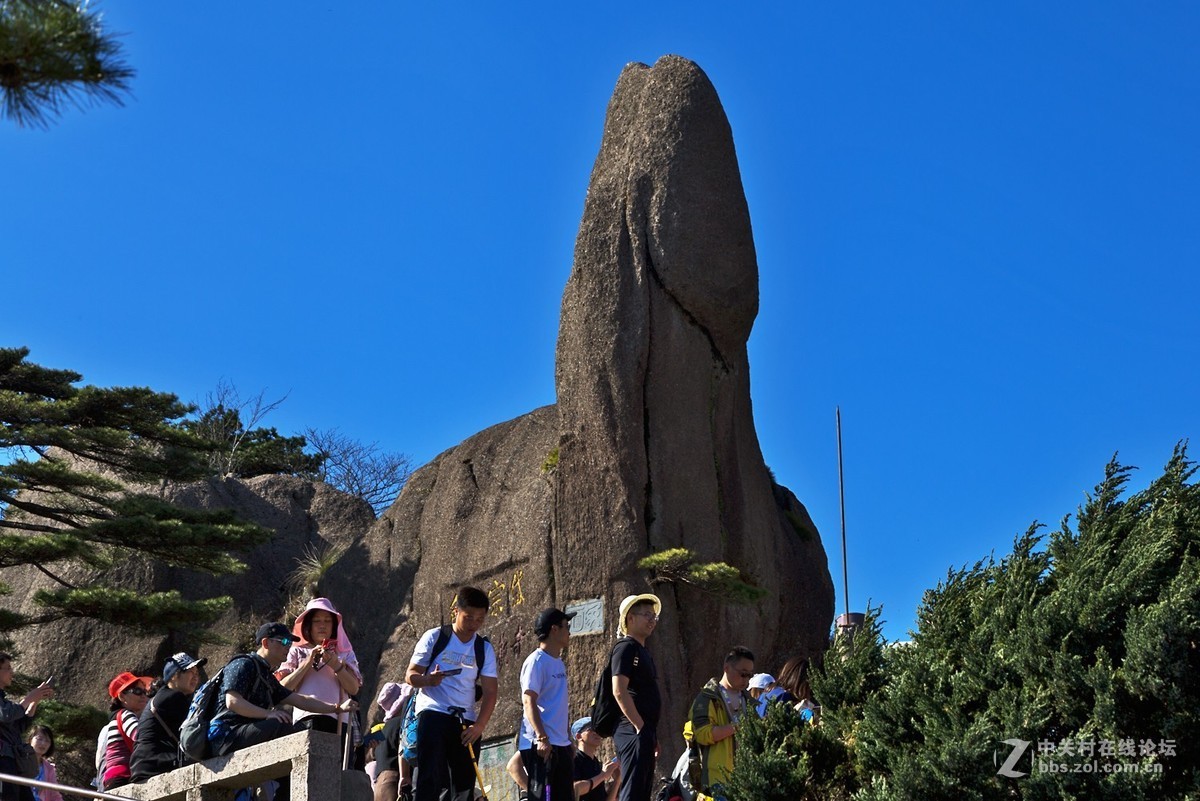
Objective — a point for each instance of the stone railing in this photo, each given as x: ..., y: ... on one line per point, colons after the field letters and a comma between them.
x: 313, y: 759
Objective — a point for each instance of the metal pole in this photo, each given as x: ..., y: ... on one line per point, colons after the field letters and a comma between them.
x: 842, y: 497
x: 65, y: 789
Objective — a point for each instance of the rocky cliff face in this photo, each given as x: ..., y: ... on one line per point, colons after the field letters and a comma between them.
x: 479, y: 514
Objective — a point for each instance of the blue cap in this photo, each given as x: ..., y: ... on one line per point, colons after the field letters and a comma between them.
x: 579, y: 725
x: 178, y: 662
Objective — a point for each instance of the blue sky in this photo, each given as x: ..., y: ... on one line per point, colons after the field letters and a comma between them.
x: 976, y: 230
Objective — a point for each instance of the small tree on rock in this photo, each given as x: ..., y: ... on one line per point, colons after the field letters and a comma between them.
x: 359, y: 469
x: 681, y: 566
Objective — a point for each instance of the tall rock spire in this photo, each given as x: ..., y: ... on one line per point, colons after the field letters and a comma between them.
x: 657, y: 444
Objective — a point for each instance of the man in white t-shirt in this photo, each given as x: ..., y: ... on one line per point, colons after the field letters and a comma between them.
x: 545, y: 738
x: 447, y: 726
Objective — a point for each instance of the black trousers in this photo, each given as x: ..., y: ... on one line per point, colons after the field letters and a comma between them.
x: 253, y: 732
x: 558, y: 772
x: 323, y: 723
x: 636, y: 753
x: 445, y: 769
x: 10, y: 791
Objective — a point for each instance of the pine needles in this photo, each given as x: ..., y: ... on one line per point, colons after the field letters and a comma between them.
x: 55, y: 54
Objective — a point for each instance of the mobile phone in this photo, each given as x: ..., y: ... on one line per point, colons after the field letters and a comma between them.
x: 453, y: 672
x: 327, y: 644
x: 49, y: 682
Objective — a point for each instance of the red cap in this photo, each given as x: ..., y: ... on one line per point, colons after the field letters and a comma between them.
x: 123, y: 681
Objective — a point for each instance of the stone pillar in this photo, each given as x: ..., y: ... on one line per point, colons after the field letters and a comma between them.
x: 317, y: 774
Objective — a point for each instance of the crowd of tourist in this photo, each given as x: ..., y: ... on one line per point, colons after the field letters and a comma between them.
x: 425, y: 746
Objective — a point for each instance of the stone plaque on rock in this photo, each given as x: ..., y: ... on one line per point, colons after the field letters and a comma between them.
x: 589, y: 616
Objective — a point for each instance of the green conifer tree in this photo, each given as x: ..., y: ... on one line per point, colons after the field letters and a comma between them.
x: 1092, y: 641
x: 78, y: 470
x: 247, y: 452
x: 1086, y: 644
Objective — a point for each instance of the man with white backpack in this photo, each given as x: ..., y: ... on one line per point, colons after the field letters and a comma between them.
x: 454, y: 669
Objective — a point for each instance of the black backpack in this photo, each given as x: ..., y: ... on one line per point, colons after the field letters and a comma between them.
x: 443, y: 639
x: 678, y: 786
x: 605, y: 712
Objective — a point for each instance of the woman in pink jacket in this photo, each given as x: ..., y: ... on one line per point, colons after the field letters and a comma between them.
x: 322, y: 664
x: 42, y: 743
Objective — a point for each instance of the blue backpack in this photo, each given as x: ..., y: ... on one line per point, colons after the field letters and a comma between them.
x: 193, y: 734
x: 408, y: 729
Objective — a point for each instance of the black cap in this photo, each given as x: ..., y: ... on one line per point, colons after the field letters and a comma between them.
x: 272, y: 631
x: 547, y: 618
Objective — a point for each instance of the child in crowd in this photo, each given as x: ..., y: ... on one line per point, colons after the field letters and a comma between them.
x: 42, y: 743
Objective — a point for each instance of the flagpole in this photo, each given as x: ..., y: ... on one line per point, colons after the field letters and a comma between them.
x: 842, y: 498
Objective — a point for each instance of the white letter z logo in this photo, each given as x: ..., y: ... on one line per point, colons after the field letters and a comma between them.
x: 1018, y: 751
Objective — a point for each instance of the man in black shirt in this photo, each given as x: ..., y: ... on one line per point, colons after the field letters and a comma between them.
x: 156, y: 750
x: 246, y: 713
x: 590, y: 778
x: 635, y: 688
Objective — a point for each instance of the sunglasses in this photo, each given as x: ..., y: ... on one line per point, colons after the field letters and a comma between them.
x: 282, y: 640
x: 134, y: 691
x: 746, y: 674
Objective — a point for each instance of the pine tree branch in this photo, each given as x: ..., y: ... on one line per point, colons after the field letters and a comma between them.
x: 96, y: 502
x: 50, y: 513
x: 37, y: 620
x: 61, y: 581
x: 29, y: 527
x: 52, y: 54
